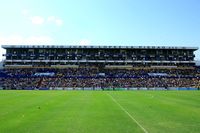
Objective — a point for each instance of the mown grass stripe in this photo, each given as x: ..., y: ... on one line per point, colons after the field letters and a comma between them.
x: 122, y: 108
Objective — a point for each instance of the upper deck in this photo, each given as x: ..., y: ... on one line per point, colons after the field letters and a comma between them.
x: 96, y: 47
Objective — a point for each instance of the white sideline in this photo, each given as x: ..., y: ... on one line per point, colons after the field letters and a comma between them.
x: 145, y: 131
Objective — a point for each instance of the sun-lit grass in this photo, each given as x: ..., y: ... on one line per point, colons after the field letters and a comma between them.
x: 96, y: 112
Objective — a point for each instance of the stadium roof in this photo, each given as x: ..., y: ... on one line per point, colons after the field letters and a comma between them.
x: 94, y: 46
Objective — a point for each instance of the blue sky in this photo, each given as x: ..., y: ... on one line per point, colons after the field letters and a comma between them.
x: 100, y: 22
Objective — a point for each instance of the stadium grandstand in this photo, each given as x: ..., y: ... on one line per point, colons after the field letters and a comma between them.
x: 47, y: 67
x: 45, y: 56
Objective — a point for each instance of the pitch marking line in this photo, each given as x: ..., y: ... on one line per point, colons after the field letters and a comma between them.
x: 145, y: 131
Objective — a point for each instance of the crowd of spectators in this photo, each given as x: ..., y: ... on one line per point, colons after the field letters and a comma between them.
x: 120, y: 82
x: 95, y: 72
x: 98, y: 78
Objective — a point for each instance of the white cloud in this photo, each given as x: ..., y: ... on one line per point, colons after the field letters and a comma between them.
x: 59, y: 22
x: 38, y: 40
x: 20, y: 40
x: 11, y: 39
x: 84, y: 42
x: 55, y: 20
x: 38, y: 20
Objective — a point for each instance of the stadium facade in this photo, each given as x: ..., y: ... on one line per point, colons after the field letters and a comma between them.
x: 104, y: 56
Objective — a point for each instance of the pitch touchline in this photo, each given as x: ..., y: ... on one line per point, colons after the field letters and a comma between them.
x: 128, y: 114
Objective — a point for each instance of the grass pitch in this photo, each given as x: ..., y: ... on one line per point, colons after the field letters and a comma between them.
x: 99, y: 111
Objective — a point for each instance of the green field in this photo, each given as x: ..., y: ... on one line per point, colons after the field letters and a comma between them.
x: 99, y: 111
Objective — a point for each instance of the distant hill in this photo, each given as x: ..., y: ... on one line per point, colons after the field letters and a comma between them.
x: 1, y: 64
x: 198, y: 62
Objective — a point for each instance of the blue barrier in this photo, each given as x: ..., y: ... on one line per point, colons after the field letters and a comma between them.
x: 43, y: 88
x: 187, y: 89
x: 29, y: 88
